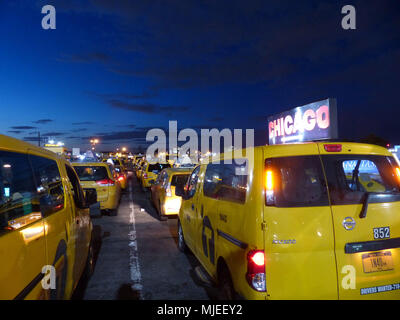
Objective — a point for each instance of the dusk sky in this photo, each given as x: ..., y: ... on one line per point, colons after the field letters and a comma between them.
x: 114, y: 69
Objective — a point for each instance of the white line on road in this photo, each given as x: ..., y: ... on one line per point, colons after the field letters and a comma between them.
x: 133, y: 252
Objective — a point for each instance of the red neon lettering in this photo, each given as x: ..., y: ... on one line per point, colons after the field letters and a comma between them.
x: 277, y: 128
x: 288, y: 124
x: 271, y: 129
x: 309, y: 120
x: 323, y: 117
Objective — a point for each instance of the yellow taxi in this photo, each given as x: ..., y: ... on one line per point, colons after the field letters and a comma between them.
x: 122, y: 177
x: 45, y: 225
x: 139, y: 168
x: 163, y: 191
x: 296, y: 221
x: 101, y: 177
x: 150, y: 173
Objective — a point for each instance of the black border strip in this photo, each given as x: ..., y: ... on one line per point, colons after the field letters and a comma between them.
x: 236, y: 242
x: 377, y: 245
x: 29, y: 287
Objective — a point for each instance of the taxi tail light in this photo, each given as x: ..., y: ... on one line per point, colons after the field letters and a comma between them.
x: 256, y: 270
x: 145, y: 175
x: 106, y: 182
x: 269, y: 188
x: 333, y: 147
x: 397, y: 173
x: 168, y: 190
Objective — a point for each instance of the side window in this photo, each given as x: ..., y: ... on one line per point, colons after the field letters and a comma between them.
x: 212, y: 180
x: 222, y: 182
x: 233, y: 186
x: 18, y: 195
x: 192, y: 182
x: 48, y: 183
x: 77, y: 192
x: 297, y: 182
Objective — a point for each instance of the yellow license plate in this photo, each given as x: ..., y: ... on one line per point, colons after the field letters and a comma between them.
x: 377, y: 261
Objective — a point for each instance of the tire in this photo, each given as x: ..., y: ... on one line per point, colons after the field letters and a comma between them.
x: 226, y: 290
x: 181, y: 239
x: 113, y: 212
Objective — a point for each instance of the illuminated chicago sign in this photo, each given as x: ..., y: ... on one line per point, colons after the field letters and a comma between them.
x: 314, y: 121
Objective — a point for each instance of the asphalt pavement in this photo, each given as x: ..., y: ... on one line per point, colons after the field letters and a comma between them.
x: 137, y: 256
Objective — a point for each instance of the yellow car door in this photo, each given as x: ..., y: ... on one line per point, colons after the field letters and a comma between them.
x: 366, y: 223
x: 188, y: 210
x: 298, y: 232
x: 22, y: 230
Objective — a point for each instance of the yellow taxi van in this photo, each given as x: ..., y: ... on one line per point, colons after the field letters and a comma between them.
x: 304, y: 221
x: 163, y: 194
x: 45, y: 223
x: 150, y: 172
x: 101, y: 177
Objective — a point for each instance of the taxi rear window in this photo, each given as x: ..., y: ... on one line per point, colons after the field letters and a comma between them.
x: 179, y: 179
x: 351, y: 176
x: 91, y: 173
x: 298, y: 182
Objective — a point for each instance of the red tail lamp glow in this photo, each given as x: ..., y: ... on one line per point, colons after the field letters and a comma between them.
x: 269, y: 183
x: 258, y: 258
x: 333, y: 147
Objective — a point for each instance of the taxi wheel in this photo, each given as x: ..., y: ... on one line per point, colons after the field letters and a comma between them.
x: 225, y: 285
x: 181, y: 239
x: 113, y: 212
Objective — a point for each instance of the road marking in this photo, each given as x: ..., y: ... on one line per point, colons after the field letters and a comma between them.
x: 133, y: 252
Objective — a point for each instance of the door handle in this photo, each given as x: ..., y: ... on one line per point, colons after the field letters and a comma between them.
x: 192, y: 206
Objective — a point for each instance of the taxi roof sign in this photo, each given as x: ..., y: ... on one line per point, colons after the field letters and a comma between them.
x: 314, y: 121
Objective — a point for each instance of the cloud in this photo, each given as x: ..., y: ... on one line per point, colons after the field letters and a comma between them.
x: 82, y: 123
x: 53, y: 134
x: 86, y: 57
x: 147, y: 108
x: 15, y: 131
x: 23, y: 127
x: 43, y: 121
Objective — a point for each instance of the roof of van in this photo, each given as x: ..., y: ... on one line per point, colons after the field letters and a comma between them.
x: 12, y: 144
x: 296, y: 149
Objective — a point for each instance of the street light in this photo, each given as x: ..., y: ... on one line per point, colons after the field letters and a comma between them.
x: 93, y: 142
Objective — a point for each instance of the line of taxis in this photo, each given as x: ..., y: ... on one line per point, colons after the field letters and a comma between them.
x: 296, y: 221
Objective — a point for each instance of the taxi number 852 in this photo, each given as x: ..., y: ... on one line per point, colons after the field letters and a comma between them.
x: 382, y: 233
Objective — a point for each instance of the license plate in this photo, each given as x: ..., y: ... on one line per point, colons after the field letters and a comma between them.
x: 377, y: 261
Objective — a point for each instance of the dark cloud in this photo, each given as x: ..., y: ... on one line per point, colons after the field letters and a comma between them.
x: 145, y: 107
x: 53, y: 134
x: 86, y: 58
x: 82, y: 123
x: 23, y: 127
x: 15, y: 131
x: 43, y: 121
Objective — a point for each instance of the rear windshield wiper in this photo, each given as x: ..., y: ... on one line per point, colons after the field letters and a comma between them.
x: 377, y: 197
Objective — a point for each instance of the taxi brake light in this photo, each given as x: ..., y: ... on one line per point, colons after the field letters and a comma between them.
x: 256, y: 270
x: 269, y: 183
x: 333, y: 147
x: 105, y: 182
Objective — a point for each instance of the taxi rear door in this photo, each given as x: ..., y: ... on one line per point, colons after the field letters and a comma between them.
x: 367, y: 229
x: 299, y: 242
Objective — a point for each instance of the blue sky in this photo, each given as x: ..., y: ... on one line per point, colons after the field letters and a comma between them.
x: 114, y: 69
